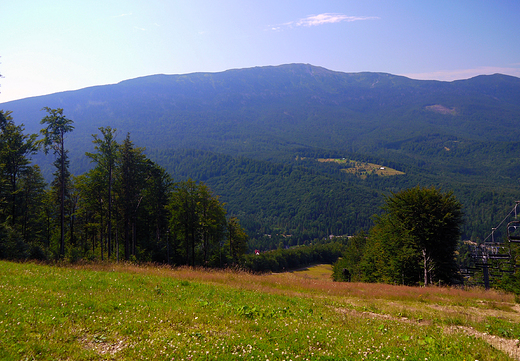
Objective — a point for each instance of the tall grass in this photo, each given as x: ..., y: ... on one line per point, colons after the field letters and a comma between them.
x: 125, y: 312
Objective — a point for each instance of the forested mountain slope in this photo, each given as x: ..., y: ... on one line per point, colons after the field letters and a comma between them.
x: 260, y: 110
x: 460, y: 135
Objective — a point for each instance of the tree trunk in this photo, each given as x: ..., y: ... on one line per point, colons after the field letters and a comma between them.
x: 110, y: 211
x: 62, y: 203
x: 101, y: 233
x: 425, y: 260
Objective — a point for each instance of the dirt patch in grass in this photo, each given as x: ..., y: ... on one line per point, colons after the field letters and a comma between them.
x: 509, y: 346
x: 101, y: 346
x: 475, y: 314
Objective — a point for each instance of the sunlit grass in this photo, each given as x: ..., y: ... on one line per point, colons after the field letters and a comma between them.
x: 317, y: 272
x: 125, y: 312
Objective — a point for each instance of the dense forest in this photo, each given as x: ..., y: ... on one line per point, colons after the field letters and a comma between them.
x: 126, y: 207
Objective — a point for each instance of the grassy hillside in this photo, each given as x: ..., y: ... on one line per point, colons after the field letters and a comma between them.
x: 124, y: 312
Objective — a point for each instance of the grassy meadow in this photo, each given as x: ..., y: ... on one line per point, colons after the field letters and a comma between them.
x: 128, y: 312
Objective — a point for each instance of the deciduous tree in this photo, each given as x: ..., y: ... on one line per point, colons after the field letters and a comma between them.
x: 197, y: 220
x: 57, y: 125
x: 15, y: 150
x: 130, y: 182
x: 415, y: 239
x: 237, y: 239
x: 105, y: 158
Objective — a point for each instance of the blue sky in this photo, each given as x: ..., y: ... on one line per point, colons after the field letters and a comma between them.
x: 47, y: 46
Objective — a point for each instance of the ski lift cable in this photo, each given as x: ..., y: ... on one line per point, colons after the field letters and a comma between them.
x: 507, y: 216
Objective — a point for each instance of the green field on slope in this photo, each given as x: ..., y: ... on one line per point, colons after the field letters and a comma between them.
x: 126, y: 312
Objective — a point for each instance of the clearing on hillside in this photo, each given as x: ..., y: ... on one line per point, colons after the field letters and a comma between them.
x: 363, y: 169
x: 321, y: 272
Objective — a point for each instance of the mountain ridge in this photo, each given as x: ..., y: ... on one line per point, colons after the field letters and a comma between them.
x: 250, y: 112
x: 460, y: 135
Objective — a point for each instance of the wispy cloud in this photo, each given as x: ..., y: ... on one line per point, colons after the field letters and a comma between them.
x: 329, y: 18
x: 122, y: 15
x: 321, y: 19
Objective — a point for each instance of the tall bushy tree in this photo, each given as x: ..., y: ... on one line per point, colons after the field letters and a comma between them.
x: 32, y: 204
x: 15, y: 150
x: 237, y: 240
x: 184, y: 217
x: 20, y: 190
x: 415, y: 239
x: 130, y: 182
x: 105, y: 158
x: 154, y: 215
x: 57, y: 125
x: 89, y: 206
x: 348, y: 268
x: 137, y: 204
x: 212, y: 222
x: 197, y: 221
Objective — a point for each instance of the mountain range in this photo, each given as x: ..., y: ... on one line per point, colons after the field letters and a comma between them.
x: 305, y: 151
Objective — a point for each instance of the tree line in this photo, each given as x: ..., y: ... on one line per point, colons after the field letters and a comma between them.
x: 281, y: 259
x: 125, y: 207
